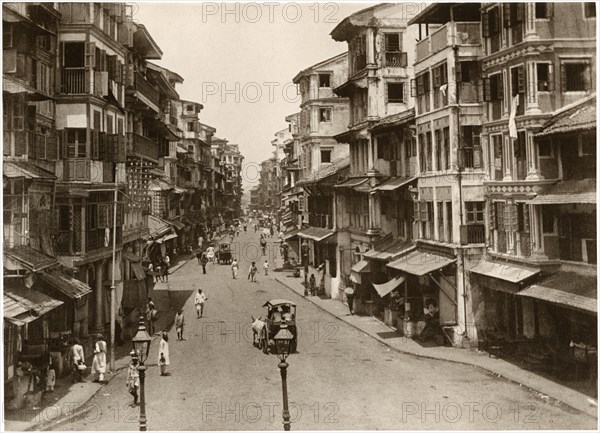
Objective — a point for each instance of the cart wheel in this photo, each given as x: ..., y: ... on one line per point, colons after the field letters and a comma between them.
x: 265, y: 343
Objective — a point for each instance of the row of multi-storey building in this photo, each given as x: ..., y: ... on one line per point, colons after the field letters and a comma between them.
x: 104, y: 163
x: 445, y: 166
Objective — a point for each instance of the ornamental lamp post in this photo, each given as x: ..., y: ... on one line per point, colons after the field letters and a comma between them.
x: 141, y: 346
x: 305, y: 248
x: 283, y: 341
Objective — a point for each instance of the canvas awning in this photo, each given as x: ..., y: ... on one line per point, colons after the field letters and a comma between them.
x: 128, y: 255
x: 138, y: 270
x: 387, y: 288
x: 178, y: 224
x: 69, y: 286
x: 504, y: 271
x: 420, y: 263
x: 388, y: 250
x: 290, y: 234
x: 22, y: 306
x: 567, y: 289
x: 352, y: 182
x: 166, y: 238
x: 316, y: 234
x: 16, y: 169
x: 362, y: 266
x: 394, y: 184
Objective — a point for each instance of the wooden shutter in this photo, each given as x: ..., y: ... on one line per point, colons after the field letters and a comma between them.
x: 499, y: 88
x: 121, y: 149
x: 521, y: 79
x: 63, y: 143
x: 520, y: 12
x: 506, y: 15
x: 563, y: 78
x: 129, y: 75
x: 436, y: 77
x: 413, y: 87
x: 458, y: 72
x: 487, y: 90
x: 95, y: 144
x: 104, y: 215
x: 404, y: 92
x: 550, y: 76
x: 492, y: 215
x: 51, y: 147
x: 119, y: 72
x: 420, y: 88
x: 403, y: 60
x: 549, y: 10
x: 514, y: 222
x: 485, y: 24
x: 90, y: 54
x: 526, y: 224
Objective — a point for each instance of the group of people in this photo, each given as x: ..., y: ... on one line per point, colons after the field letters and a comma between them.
x: 160, y: 269
x: 78, y: 361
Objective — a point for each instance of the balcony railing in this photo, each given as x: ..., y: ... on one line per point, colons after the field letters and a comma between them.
x: 145, y: 88
x: 473, y: 233
x: 396, y: 59
x: 460, y: 33
x: 74, y: 81
x: 143, y: 146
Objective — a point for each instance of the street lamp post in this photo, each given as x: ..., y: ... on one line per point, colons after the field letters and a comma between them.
x: 283, y: 340
x: 305, y: 248
x: 141, y: 346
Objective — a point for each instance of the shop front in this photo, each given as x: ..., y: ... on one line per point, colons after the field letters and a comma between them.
x: 428, y: 306
x: 320, y: 255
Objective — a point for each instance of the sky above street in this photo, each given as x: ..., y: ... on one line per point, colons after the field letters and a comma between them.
x: 239, y: 59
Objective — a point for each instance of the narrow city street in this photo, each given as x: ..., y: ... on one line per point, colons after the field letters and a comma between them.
x: 339, y: 378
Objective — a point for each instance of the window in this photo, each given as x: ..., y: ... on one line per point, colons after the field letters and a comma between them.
x: 589, y: 10
x: 522, y: 218
x: 548, y: 220
x: 542, y: 11
x: 325, y: 155
x: 545, y: 149
x: 325, y: 114
x: 440, y: 76
x: 544, y: 77
x: 18, y: 114
x: 324, y: 80
x: 190, y: 107
x: 575, y: 77
x: 97, y: 122
x: 446, y: 146
x: 7, y: 35
x: 75, y: 143
x: 190, y: 126
x: 109, y: 125
x: 74, y: 55
x: 395, y: 92
x: 394, y: 57
x: 423, y: 84
x: 494, y: 89
x: 474, y: 210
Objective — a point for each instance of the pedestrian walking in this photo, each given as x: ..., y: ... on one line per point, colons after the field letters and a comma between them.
x: 266, y: 267
x: 349, y: 291
x: 99, y: 363
x: 252, y: 272
x: 245, y: 228
x: 151, y: 316
x: 263, y: 245
x: 199, y: 256
x: 133, y: 377
x: 210, y: 254
x: 78, y: 358
x: 203, y: 261
x: 179, y: 322
x: 312, y: 282
x: 164, y: 359
x: 199, y: 303
x: 235, y: 267
x: 50, y: 377
x: 200, y: 242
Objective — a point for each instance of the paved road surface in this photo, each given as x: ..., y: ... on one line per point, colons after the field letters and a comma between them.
x: 339, y: 379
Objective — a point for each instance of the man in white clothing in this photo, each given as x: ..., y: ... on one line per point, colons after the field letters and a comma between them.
x: 199, y: 302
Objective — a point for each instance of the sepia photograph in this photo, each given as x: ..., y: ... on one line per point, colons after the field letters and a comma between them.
x: 348, y: 216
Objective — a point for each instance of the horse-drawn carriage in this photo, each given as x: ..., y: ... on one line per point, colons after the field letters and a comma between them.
x: 280, y: 313
x: 224, y: 254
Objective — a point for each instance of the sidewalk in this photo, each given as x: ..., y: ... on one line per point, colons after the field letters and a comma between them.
x: 70, y: 398
x: 384, y: 334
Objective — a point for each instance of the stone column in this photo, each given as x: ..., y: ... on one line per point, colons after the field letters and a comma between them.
x: 530, y: 33
x: 370, y: 48
x: 533, y: 169
x: 531, y: 96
